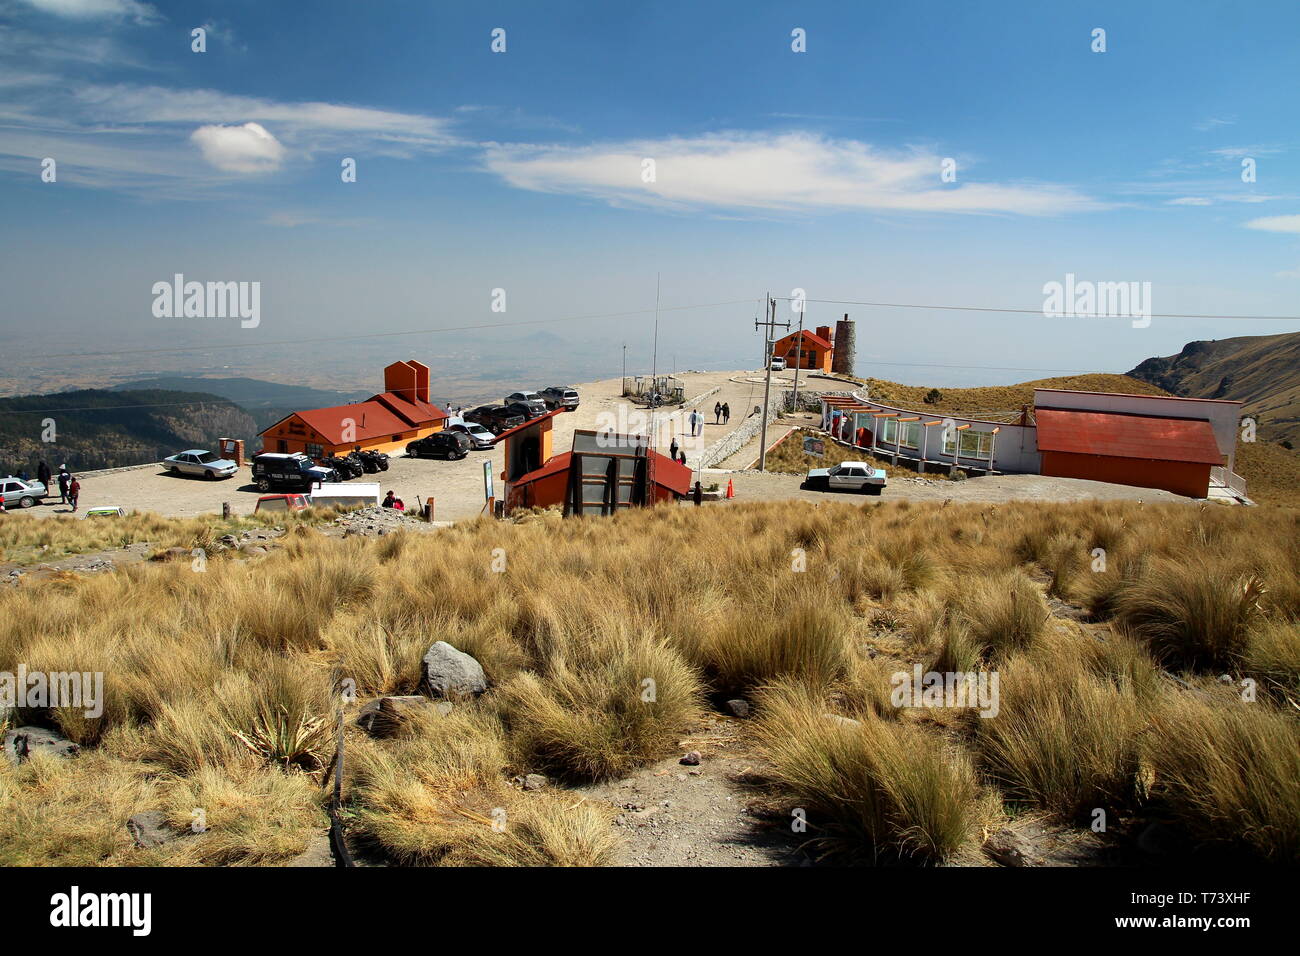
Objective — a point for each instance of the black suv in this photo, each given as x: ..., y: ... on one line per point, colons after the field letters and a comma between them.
x: 497, y: 418
x: 446, y: 444
x: 294, y: 472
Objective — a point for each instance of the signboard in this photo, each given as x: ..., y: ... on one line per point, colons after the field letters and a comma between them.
x: 812, y: 445
x: 487, y: 481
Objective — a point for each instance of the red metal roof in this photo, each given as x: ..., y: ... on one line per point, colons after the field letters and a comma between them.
x: 810, y: 336
x: 670, y: 474
x: 529, y: 424
x: 418, y: 413
x: 369, y: 420
x: 1117, y: 435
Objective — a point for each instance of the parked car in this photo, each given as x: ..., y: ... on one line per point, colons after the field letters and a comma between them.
x: 479, y: 437
x: 106, y: 511
x: 495, y: 418
x: 288, y: 471
x: 529, y: 400
x: 846, y: 476
x: 778, y: 365
x: 24, y: 494
x: 201, y: 464
x: 448, y: 444
x: 560, y: 396
x: 289, y: 502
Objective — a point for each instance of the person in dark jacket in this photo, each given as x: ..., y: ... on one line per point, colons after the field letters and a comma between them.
x: 43, y: 475
x: 672, y: 449
x: 717, y: 413
x: 726, y: 412
x: 64, y: 479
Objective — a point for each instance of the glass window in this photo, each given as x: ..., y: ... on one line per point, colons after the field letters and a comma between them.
x: 973, y: 444
x: 315, y: 451
x: 911, y: 433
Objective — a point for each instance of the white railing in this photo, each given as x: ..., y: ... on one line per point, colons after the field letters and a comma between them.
x: 1228, y: 479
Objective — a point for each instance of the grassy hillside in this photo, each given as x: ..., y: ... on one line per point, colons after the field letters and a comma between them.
x: 999, y: 403
x: 95, y: 428
x: 1261, y: 370
x: 266, y: 402
x: 222, y: 693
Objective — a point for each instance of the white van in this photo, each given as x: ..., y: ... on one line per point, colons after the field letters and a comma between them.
x: 778, y: 365
x: 356, y: 494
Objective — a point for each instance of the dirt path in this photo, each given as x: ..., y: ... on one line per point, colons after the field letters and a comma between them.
x: 713, y: 814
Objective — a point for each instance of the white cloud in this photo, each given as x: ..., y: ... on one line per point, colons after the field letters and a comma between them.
x: 239, y: 149
x: 1213, y: 122
x: 1276, y: 224
x: 1191, y: 201
x: 789, y: 172
x: 97, y: 9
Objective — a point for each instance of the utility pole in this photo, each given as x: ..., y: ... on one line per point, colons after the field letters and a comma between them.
x: 770, y: 324
x: 798, y: 360
x: 624, y: 391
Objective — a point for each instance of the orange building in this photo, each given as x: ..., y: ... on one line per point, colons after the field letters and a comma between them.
x: 384, y: 422
x: 815, y: 354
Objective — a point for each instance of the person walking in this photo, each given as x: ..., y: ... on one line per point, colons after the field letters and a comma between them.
x: 681, y: 456
x: 64, y: 478
x: 43, y: 475
x: 672, y: 449
x: 726, y: 412
x: 74, y: 491
x: 717, y: 413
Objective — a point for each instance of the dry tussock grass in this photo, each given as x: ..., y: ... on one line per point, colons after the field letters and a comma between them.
x: 223, y: 685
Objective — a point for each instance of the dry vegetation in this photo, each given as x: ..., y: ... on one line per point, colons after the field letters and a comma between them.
x: 223, y: 686
x: 999, y: 403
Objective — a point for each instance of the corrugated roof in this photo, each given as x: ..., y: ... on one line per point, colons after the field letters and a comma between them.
x: 369, y: 419
x: 670, y: 474
x: 811, y: 336
x: 1146, y: 437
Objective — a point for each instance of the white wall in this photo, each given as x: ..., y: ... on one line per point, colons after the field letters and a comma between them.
x: 1014, y: 450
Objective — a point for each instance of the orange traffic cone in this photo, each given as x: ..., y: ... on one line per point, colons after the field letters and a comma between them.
x: 731, y: 489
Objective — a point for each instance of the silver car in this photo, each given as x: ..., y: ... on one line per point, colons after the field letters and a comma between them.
x: 202, y: 463
x: 24, y: 494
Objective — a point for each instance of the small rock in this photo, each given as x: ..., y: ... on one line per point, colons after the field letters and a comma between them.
x: 535, y: 781
x: 1011, y: 849
x: 738, y: 707
x: 383, y: 716
x: 150, y: 828
x: 692, y: 759
x: 845, y: 721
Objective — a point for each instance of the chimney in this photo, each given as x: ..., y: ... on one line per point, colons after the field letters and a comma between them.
x: 824, y: 331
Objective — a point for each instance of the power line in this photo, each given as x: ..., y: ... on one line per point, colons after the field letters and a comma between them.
x: 1039, y: 311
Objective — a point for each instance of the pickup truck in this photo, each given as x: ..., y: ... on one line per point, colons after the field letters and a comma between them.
x: 846, y: 476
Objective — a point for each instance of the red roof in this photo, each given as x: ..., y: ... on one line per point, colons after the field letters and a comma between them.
x: 670, y: 474
x: 1147, y: 437
x: 810, y: 336
x: 532, y: 421
x: 369, y: 420
x: 411, y: 410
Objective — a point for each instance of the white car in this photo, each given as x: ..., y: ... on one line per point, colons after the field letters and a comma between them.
x: 24, y: 494
x: 846, y: 476
x: 479, y: 437
x: 778, y: 365
x: 202, y: 463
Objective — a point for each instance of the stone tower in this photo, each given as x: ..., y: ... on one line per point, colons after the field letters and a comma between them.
x: 845, y: 347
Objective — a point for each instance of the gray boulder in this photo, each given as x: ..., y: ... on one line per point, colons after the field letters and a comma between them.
x: 452, y: 673
x: 21, y: 742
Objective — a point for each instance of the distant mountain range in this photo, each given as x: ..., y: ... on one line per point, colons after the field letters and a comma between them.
x: 98, y: 428
x: 1263, y: 371
x: 266, y: 402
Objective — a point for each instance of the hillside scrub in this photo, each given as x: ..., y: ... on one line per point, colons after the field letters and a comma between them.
x: 603, y: 640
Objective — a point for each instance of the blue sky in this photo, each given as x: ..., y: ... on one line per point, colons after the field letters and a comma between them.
x: 775, y: 170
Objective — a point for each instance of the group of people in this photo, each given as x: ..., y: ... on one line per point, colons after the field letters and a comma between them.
x: 721, y: 413
x: 69, y: 486
x: 392, y: 501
